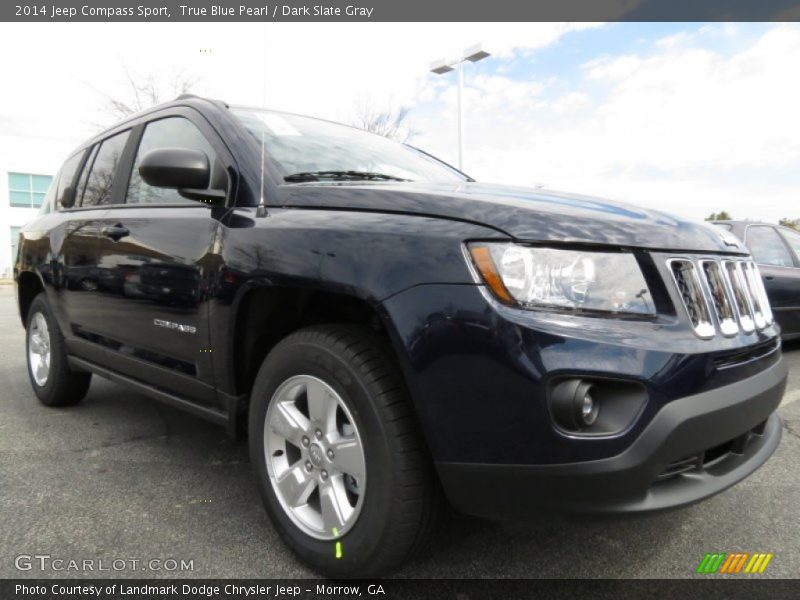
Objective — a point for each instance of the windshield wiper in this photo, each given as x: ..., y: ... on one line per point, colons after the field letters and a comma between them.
x: 340, y: 175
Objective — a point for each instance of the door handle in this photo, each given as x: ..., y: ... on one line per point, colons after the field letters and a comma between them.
x: 769, y: 277
x: 115, y: 232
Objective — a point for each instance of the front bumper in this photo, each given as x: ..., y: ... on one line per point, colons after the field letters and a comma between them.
x: 694, y: 447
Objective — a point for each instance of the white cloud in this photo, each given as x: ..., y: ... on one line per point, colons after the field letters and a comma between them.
x: 683, y: 128
x: 570, y: 102
x: 613, y: 68
x: 676, y: 39
x: 61, y: 72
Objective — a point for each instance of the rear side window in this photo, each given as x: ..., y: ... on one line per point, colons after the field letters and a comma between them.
x: 47, y: 203
x: 768, y: 247
x: 66, y: 176
x: 85, y: 175
x: 98, y: 185
x: 172, y: 132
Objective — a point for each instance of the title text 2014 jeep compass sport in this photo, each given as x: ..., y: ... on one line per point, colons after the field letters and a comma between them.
x: 391, y: 333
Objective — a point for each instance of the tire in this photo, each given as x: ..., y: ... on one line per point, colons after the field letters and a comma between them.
x: 396, y: 502
x: 57, y: 384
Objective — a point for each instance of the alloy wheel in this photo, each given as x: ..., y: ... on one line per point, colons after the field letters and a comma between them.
x: 315, y: 457
x: 39, y: 349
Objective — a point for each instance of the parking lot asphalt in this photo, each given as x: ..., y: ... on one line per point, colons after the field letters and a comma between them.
x: 120, y: 476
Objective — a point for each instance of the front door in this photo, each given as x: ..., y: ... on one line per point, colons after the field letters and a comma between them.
x: 156, y: 255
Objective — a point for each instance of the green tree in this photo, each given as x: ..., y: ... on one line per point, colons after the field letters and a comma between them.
x: 722, y: 215
x: 793, y: 223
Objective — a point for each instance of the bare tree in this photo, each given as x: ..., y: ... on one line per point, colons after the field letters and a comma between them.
x: 147, y: 92
x: 389, y: 123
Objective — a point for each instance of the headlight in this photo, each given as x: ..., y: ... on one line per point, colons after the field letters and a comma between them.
x: 535, y: 277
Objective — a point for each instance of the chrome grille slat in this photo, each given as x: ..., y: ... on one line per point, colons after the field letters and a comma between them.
x: 744, y: 308
x: 721, y: 297
x: 755, y: 300
x: 724, y: 296
x: 760, y: 293
x: 684, y: 273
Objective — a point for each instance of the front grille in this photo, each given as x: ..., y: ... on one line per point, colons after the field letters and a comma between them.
x: 723, y: 296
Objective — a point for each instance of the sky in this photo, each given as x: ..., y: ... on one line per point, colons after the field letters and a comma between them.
x: 687, y: 118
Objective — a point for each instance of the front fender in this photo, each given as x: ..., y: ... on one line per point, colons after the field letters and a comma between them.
x: 369, y: 255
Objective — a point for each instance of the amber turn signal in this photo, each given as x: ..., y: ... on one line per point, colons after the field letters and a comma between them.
x: 482, y: 257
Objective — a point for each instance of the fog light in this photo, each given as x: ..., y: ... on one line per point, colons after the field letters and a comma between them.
x: 573, y: 406
x: 589, y: 410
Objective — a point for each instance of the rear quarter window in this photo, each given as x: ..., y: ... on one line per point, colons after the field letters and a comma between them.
x: 65, y: 178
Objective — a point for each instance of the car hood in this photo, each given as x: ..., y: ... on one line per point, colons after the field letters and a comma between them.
x: 523, y: 214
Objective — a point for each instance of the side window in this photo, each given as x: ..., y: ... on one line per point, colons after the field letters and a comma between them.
x: 768, y: 247
x: 172, y: 132
x: 81, y: 187
x: 794, y: 240
x: 47, y: 203
x: 66, y: 176
x: 97, y: 190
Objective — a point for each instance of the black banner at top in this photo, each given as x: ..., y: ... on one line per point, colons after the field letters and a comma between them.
x: 400, y: 10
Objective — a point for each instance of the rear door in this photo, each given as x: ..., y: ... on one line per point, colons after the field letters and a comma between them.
x: 779, y: 268
x: 157, y: 260
x: 75, y: 241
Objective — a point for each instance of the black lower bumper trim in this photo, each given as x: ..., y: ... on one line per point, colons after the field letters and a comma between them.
x: 633, y: 480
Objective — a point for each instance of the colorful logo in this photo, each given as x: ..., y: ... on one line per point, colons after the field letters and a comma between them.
x: 735, y: 562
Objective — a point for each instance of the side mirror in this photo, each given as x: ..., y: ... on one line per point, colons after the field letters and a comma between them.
x: 186, y: 170
x: 67, y: 199
x: 175, y: 168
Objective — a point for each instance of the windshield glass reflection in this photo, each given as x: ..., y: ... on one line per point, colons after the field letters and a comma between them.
x: 309, y: 149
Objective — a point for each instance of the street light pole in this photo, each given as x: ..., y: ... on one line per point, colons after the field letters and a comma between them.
x: 442, y: 66
x: 460, y: 116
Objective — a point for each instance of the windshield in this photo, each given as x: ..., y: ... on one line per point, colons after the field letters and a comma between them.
x: 309, y: 149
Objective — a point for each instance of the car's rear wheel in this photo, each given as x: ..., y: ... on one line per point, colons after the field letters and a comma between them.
x: 53, y: 382
x: 341, y: 466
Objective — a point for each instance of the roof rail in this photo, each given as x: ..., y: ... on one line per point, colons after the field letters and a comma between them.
x: 196, y: 97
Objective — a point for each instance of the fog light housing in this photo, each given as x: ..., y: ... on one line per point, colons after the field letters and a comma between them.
x: 594, y: 406
x: 574, y: 407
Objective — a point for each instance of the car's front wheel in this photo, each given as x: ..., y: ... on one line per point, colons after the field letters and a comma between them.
x: 341, y: 467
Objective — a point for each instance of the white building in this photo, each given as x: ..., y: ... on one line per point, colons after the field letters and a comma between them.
x: 27, y: 166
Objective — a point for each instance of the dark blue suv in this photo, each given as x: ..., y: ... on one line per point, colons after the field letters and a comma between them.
x: 392, y: 335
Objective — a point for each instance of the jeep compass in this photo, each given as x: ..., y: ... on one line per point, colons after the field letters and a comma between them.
x: 392, y: 336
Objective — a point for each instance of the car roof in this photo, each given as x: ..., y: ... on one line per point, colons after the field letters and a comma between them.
x: 182, y: 100
x: 200, y: 103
